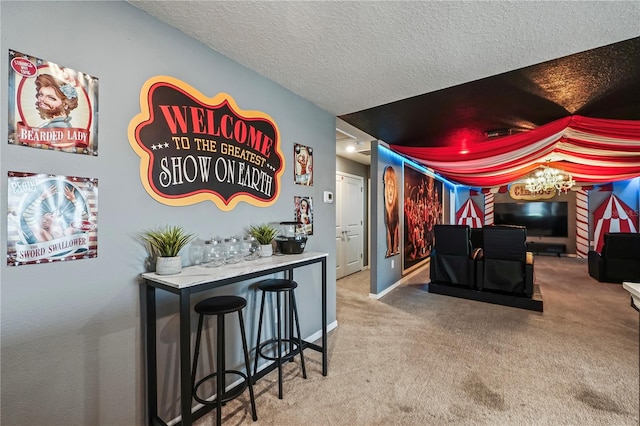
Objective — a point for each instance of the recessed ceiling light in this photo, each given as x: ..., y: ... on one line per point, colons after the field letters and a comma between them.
x: 351, y: 148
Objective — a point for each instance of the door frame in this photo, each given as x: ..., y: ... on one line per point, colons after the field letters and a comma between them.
x: 365, y: 211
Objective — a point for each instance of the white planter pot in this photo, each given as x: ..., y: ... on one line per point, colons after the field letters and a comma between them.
x: 168, y: 265
x: 266, y: 250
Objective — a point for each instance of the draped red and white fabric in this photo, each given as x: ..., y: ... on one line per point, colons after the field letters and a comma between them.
x: 470, y: 214
x: 612, y: 216
x: 593, y: 150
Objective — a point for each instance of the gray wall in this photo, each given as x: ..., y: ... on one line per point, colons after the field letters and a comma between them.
x: 71, y: 332
x: 383, y: 275
x: 354, y: 168
x: 387, y: 271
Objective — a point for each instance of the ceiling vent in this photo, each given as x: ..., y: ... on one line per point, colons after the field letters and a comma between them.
x: 496, y: 133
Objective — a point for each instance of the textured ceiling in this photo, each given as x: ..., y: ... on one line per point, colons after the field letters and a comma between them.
x: 352, y: 58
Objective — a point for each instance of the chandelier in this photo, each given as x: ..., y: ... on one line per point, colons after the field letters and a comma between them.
x: 546, y: 179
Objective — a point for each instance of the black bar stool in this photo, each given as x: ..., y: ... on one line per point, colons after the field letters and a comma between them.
x: 220, y: 306
x: 279, y: 286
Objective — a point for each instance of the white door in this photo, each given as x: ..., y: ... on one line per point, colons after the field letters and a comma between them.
x: 349, y: 223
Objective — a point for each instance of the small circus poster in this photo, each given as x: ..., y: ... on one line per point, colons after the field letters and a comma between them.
x: 303, y: 168
x: 303, y: 207
x: 51, y: 218
x: 51, y: 106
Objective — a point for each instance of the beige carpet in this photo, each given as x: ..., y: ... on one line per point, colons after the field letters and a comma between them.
x: 416, y: 358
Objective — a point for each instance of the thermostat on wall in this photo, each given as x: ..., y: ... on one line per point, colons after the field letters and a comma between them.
x: 328, y: 197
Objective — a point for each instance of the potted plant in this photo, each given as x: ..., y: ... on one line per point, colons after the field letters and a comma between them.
x: 264, y: 233
x: 164, y: 245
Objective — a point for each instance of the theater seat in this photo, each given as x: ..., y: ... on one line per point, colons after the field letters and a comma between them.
x: 451, y: 258
x: 619, y: 260
x: 506, y: 266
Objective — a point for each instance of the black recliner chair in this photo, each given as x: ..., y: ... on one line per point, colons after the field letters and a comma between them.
x: 619, y: 260
x: 451, y: 258
x: 506, y: 266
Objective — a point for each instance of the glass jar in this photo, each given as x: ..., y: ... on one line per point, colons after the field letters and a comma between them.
x: 196, y: 251
x: 250, y: 247
x: 234, y: 249
x: 214, y: 253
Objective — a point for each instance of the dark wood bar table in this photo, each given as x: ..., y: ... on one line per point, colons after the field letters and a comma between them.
x: 196, y: 279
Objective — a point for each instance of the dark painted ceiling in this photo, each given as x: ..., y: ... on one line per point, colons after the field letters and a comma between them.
x: 599, y: 83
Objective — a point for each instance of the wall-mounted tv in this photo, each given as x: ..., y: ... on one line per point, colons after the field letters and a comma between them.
x: 542, y: 218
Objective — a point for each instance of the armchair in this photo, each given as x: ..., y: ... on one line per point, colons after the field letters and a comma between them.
x: 451, y: 259
x: 506, y: 266
x: 619, y: 260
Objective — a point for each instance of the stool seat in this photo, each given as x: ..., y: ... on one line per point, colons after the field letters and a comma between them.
x: 277, y: 284
x: 220, y: 305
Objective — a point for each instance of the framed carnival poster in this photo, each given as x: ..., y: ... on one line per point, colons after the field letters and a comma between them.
x: 304, y: 212
x: 422, y: 210
x: 51, y: 106
x: 51, y: 218
x: 303, y: 168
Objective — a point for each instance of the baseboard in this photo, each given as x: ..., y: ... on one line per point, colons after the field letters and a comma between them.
x: 396, y: 284
x: 318, y: 334
x: 385, y: 291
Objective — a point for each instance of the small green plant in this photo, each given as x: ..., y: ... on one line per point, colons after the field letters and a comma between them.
x: 264, y: 233
x: 166, y: 242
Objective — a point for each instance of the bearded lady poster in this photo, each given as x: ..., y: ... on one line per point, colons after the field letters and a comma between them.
x: 51, y: 218
x: 51, y: 106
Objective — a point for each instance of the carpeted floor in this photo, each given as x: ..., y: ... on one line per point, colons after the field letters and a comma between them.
x: 416, y: 358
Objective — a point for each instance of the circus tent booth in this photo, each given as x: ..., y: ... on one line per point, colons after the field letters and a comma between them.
x: 470, y: 214
x: 613, y: 215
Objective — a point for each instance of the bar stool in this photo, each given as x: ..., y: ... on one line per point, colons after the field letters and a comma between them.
x: 279, y: 286
x: 220, y: 306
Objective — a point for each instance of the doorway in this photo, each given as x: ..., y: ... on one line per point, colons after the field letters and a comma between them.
x: 349, y: 224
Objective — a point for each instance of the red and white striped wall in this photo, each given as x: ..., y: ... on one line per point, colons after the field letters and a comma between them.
x: 582, y: 223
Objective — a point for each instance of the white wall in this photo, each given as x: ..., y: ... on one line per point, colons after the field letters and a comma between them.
x: 71, y: 332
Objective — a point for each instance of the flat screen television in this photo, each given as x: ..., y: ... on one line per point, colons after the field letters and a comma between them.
x: 541, y: 218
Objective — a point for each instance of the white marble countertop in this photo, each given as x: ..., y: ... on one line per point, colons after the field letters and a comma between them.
x: 195, y: 275
x: 634, y: 289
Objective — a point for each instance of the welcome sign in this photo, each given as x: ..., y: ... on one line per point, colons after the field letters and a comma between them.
x: 193, y: 148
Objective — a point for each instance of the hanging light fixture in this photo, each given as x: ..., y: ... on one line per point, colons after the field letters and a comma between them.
x: 547, y: 178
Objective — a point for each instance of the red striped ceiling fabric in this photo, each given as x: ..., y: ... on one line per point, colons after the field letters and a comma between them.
x: 593, y: 150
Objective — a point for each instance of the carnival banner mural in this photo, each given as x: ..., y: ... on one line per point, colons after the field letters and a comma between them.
x: 51, y: 106
x: 422, y: 210
x: 51, y: 218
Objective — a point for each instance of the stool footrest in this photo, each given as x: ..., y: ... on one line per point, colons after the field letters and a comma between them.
x: 227, y: 395
x: 286, y: 356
